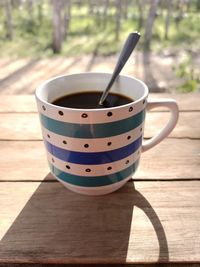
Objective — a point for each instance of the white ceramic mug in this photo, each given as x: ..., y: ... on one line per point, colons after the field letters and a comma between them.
x: 96, y: 151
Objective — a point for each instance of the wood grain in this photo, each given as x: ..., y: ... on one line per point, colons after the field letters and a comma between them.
x: 19, y: 159
x: 186, y: 102
x: 177, y: 264
x: 20, y: 126
x: 26, y: 126
x: 155, y: 220
x: 171, y: 159
x: 26, y: 103
x: 188, y: 125
x: 144, y: 222
x: 18, y: 103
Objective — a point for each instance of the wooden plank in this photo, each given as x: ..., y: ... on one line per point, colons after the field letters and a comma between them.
x: 12, y: 66
x: 20, y: 126
x: 18, y: 103
x: 19, y: 159
x: 177, y: 264
x: 26, y: 103
x: 186, y: 102
x: 111, y: 265
x: 171, y: 159
x: 188, y: 125
x: 25, y: 126
x: 144, y: 222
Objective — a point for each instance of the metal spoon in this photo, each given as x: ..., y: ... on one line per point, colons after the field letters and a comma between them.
x: 127, y: 49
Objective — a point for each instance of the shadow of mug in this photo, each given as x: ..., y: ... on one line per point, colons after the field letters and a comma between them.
x: 59, y: 226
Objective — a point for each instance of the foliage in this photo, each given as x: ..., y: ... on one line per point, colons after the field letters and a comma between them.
x: 190, y: 75
x: 92, y: 33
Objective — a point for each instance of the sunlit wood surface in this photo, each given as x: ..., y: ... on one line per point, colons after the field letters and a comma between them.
x: 22, y: 76
x: 155, y: 218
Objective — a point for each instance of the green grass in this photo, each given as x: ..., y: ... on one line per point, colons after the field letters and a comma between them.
x: 87, y: 35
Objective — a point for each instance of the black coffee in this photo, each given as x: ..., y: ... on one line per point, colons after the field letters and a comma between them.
x: 90, y: 100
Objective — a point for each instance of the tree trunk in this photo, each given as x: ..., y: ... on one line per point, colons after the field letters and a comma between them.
x: 188, y: 5
x: 57, y: 26
x: 125, y: 8
x: 167, y: 20
x: 40, y: 12
x: 66, y: 19
x: 97, y: 14
x: 179, y: 16
x: 105, y: 12
x: 30, y: 8
x: 149, y: 24
x: 16, y: 3
x: 118, y: 19
x: 9, y: 23
x: 141, y: 14
x: 91, y: 7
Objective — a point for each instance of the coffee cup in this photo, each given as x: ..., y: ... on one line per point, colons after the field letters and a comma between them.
x: 96, y: 151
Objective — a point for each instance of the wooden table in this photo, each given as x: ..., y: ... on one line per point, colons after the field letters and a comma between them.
x: 153, y: 218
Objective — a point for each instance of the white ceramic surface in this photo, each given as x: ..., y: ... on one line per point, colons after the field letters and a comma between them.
x: 96, y: 151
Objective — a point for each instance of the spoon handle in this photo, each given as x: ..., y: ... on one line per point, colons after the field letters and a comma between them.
x: 127, y: 49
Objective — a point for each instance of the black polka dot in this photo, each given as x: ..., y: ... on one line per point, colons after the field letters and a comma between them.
x: 43, y: 107
x: 68, y: 167
x: 109, y: 114
x: 144, y: 101
x: 86, y: 145
x: 109, y: 143
x: 84, y: 115
x: 128, y: 137
x: 127, y: 162
x: 60, y: 113
x: 53, y: 160
x: 88, y: 170
x: 130, y: 109
x: 48, y: 135
x: 140, y: 129
x: 64, y: 142
x: 109, y: 168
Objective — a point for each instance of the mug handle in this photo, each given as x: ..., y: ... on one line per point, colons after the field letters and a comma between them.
x: 166, y: 130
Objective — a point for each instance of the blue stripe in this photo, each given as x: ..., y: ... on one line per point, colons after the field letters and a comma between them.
x: 98, y: 130
x: 94, y: 181
x: 90, y: 158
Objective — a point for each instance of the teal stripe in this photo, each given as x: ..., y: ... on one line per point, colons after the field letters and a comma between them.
x: 98, y: 130
x: 94, y: 180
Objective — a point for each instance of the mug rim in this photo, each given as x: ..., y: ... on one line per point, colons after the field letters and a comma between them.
x: 40, y: 87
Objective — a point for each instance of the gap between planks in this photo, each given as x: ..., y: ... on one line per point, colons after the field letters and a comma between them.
x: 161, y: 264
x: 28, y: 126
x: 145, y: 138
x: 151, y: 111
x: 27, y: 103
x: 140, y: 223
x: 161, y: 162
x: 131, y: 180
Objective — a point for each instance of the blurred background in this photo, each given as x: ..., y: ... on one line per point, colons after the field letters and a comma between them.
x: 40, y: 39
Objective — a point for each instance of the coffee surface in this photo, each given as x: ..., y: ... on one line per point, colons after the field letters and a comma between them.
x: 90, y: 100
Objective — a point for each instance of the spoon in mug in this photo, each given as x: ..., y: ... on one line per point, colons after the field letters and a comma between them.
x: 127, y: 49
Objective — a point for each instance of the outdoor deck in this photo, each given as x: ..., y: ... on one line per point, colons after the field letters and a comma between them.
x: 22, y: 76
x: 154, y: 218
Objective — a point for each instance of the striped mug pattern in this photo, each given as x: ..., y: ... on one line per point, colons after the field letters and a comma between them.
x: 91, y: 151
